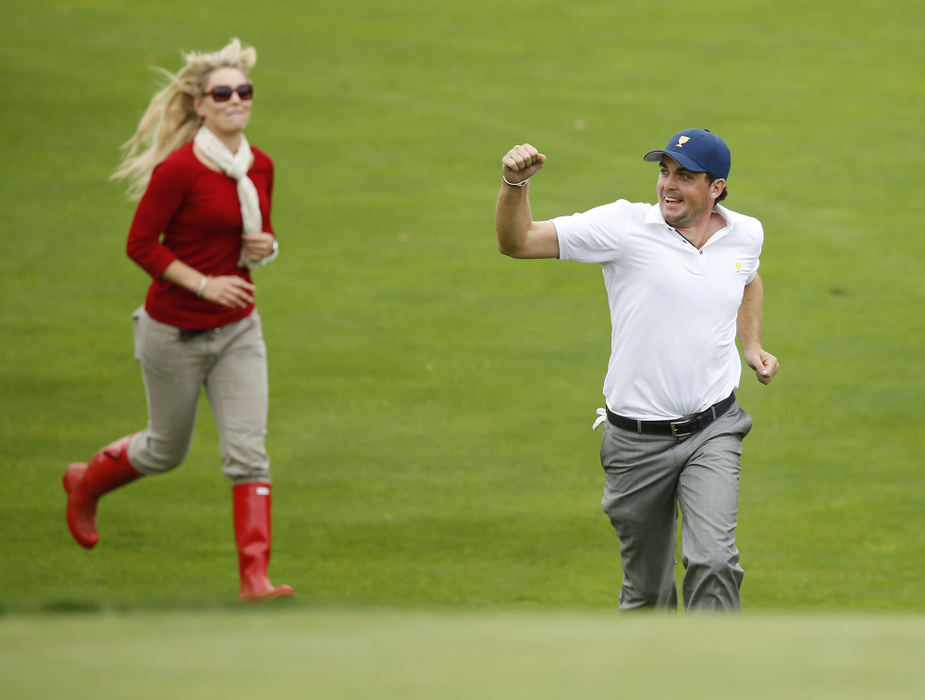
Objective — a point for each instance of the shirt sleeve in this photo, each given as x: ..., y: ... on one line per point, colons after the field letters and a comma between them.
x: 753, y: 273
x: 158, y: 204
x: 262, y: 174
x: 267, y: 224
x: 756, y: 233
x: 594, y: 236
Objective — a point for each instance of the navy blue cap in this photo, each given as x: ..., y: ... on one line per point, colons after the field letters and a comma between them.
x: 697, y: 150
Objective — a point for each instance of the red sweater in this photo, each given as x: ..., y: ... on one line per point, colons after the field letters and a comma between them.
x: 192, y: 213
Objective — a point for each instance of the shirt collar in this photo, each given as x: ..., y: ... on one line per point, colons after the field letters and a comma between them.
x: 654, y: 216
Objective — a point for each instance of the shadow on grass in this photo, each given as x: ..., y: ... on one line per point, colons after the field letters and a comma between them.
x: 83, y: 606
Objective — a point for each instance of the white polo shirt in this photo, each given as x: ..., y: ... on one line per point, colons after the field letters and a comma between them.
x: 673, y: 308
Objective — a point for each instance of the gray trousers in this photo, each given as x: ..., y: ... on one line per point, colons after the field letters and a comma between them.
x: 648, y: 478
x: 231, y: 363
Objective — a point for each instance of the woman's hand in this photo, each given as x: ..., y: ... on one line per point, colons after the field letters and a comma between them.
x: 257, y: 246
x: 229, y: 290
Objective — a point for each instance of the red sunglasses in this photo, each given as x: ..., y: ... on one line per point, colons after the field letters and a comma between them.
x: 223, y: 93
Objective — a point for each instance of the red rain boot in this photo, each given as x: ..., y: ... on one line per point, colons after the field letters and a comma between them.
x: 252, y: 533
x: 85, y: 482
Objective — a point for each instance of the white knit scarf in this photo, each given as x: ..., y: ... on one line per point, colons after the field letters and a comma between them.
x: 235, y: 166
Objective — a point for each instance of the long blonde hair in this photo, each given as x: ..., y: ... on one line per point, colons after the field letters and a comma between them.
x: 170, y: 120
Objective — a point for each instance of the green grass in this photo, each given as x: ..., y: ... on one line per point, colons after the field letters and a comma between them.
x: 414, y: 654
x: 431, y: 400
x: 437, y: 484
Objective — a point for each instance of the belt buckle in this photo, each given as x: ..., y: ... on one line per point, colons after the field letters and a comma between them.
x: 681, y: 428
x: 188, y: 334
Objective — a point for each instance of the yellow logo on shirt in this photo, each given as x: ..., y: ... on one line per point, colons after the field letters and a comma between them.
x: 682, y: 141
x: 738, y: 267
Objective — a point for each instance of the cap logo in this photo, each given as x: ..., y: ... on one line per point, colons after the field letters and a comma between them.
x: 682, y: 141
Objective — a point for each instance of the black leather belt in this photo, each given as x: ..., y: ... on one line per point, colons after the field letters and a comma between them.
x: 187, y: 334
x: 682, y: 427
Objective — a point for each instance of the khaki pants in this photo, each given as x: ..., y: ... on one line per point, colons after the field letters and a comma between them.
x: 648, y: 479
x: 231, y: 363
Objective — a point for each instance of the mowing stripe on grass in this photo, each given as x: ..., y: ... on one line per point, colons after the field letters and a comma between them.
x: 379, y: 654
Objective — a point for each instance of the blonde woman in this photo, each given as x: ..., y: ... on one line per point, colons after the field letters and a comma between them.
x: 202, y: 224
